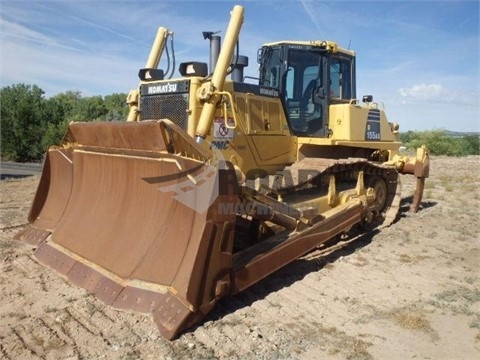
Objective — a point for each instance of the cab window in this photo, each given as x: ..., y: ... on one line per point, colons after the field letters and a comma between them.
x: 270, y: 71
x: 340, y: 78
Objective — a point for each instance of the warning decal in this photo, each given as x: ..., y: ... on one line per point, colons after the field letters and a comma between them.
x: 221, y: 131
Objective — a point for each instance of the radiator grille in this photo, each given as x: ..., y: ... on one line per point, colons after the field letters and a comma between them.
x: 165, y: 106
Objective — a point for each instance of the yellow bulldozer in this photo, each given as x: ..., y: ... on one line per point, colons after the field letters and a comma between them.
x: 217, y: 179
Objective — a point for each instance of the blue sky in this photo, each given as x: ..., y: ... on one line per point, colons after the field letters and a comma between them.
x: 419, y: 59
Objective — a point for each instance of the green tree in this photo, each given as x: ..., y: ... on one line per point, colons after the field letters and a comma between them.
x: 23, y: 122
x: 89, y: 109
x: 60, y: 111
x: 31, y: 123
x: 54, y: 133
x: 117, y: 107
x: 62, y: 105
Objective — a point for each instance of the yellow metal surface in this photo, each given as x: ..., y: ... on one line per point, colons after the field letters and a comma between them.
x: 157, y: 48
x: 349, y: 122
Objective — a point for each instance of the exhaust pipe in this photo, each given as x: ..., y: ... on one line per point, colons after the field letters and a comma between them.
x: 215, y: 44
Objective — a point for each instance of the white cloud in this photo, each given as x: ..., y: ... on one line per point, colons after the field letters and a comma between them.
x: 60, y: 69
x: 423, y: 91
x: 436, y: 93
x: 21, y: 34
x: 14, y: 29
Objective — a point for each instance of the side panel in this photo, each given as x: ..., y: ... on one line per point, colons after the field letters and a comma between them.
x: 265, y: 127
x: 258, y: 136
x: 358, y: 123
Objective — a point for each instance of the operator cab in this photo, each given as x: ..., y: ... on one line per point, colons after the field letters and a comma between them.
x: 309, y: 77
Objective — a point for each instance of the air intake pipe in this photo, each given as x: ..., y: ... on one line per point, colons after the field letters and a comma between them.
x: 238, y: 66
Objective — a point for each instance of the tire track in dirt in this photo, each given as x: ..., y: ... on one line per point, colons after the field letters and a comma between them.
x: 82, y: 322
x: 55, y: 328
x: 83, y: 337
x: 255, y: 317
x: 29, y: 266
x: 257, y: 326
x: 269, y: 308
x: 11, y: 345
x: 29, y: 340
x: 3, y: 352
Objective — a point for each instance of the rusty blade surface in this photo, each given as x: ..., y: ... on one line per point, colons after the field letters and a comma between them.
x: 117, y: 220
x: 54, y: 188
x: 145, y: 135
x: 51, y: 198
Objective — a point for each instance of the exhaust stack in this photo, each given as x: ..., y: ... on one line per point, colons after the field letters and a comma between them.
x: 215, y: 45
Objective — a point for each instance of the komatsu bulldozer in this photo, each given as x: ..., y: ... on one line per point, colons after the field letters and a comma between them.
x: 217, y: 179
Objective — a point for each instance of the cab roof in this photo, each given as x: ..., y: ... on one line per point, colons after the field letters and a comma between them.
x: 328, y: 45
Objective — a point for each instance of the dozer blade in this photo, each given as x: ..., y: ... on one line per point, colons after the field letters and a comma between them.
x: 51, y: 197
x: 135, y: 224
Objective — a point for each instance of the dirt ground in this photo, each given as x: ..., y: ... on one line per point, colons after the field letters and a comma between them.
x: 410, y: 291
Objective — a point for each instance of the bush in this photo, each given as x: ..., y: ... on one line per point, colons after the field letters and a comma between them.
x: 54, y: 134
x: 441, y: 142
